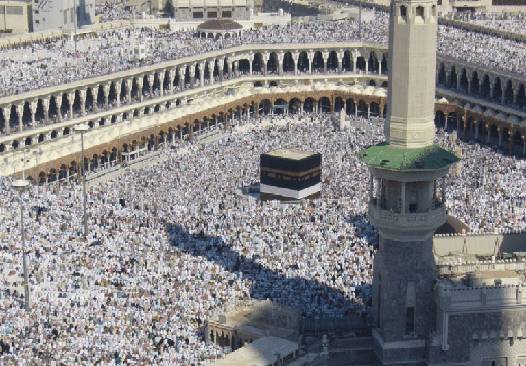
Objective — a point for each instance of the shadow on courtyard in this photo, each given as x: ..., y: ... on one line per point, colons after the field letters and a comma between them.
x: 301, y: 294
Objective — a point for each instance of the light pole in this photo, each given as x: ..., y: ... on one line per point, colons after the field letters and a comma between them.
x: 82, y: 129
x: 21, y: 185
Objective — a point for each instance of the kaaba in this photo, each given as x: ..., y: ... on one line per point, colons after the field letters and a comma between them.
x: 290, y: 174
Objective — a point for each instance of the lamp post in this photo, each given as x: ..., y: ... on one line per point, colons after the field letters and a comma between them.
x: 82, y: 129
x: 21, y: 185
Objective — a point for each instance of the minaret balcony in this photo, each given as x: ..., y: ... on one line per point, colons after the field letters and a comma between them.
x: 407, y: 225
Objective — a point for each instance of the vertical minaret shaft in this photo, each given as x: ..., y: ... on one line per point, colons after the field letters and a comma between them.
x: 412, y: 63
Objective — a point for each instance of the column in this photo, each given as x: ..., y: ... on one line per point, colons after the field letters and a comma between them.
x: 6, y: 110
x: 340, y: 56
x: 161, y: 82
x: 366, y: 59
x: 34, y: 105
x: 475, y: 126
x: 499, y: 130
x: 380, y: 66
x: 151, y: 79
x: 139, y: 87
x: 295, y: 58
x: 171, y: 77
x: 181, y: 73
x: 220, y: 66
x: 488, y: 134
x: 250, y: 60
x: 20, y: 113
x: 45, y: 105
x: 82, y: 95
x: 202, y: 73
x: 523, y: 145
x: 211, y: 65
x: 515, y: 94
x: 310, y: 56
x: 58, y: 102
x: 106, y: 87
x: 502, y: 97
x: 129, y: 85
x: 355, y: 109
x: 118, y: 96
x: 368, y: 110
x: 281, y: 56
x: 325, y: 55
x: 265, y: 57
x: 71, y: 101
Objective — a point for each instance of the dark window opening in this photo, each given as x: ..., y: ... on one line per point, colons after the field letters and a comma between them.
x: 410, y: 320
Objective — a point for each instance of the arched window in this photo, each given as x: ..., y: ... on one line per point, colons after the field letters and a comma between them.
x: 403, y: 11
x: 403, y: 14
x: 419, y: 12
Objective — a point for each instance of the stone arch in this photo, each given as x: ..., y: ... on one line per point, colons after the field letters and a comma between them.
x: 288, y: 62
x: 294, y: 106
x: 452, y: 82
x: 360, y: 64
x: 347, y: 63
x: 485, y: 89
x: 385, y: 65
x: 324, y: 105
x: 308, y: 105
x: 272, y: 64
x: 317, y: 61
x: 521, y: 96
x: 89, y: 104
x: 112, y: 93
x: 100, y: 97
x: 338, y: 104
x: 362, y: 108
x: 464, y: 83
x: 442, y: 80
x: 475, y: 84
x: 280, y: 106
x: 374, y: 109
x: 497, y: 90
x: 440, y: 119
x: 508, y: 93
x: 303, y: 62
x: 350, y: 106
x: 265, y: 106
x: 257, y: 63
x: 332, y: 61
x: 373, y: 64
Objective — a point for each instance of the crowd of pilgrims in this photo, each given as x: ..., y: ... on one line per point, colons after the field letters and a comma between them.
x: 176, y: 240
x: 47, y: 63
x: 510, y: 22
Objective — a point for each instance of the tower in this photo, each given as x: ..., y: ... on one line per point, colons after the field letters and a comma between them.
x: 404, y: 202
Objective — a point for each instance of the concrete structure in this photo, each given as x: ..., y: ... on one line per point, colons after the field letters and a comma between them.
x: 60, y: 14
x: 266, y: 351
x: 405, y: 204
x: 274, y: 73
x: 15, y: 16
x: 186, y: 10
x: 252, y: 320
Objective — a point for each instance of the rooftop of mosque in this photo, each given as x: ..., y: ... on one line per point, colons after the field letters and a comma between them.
x: 291, y: 154
x: 385, y: 156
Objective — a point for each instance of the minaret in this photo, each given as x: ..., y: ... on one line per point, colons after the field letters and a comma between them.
x: 404, y: 202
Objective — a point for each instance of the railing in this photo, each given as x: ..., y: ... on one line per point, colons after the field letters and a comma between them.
x: 408, y: 221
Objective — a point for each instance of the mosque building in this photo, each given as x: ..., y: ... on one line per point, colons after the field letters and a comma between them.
x: 435, y: 300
